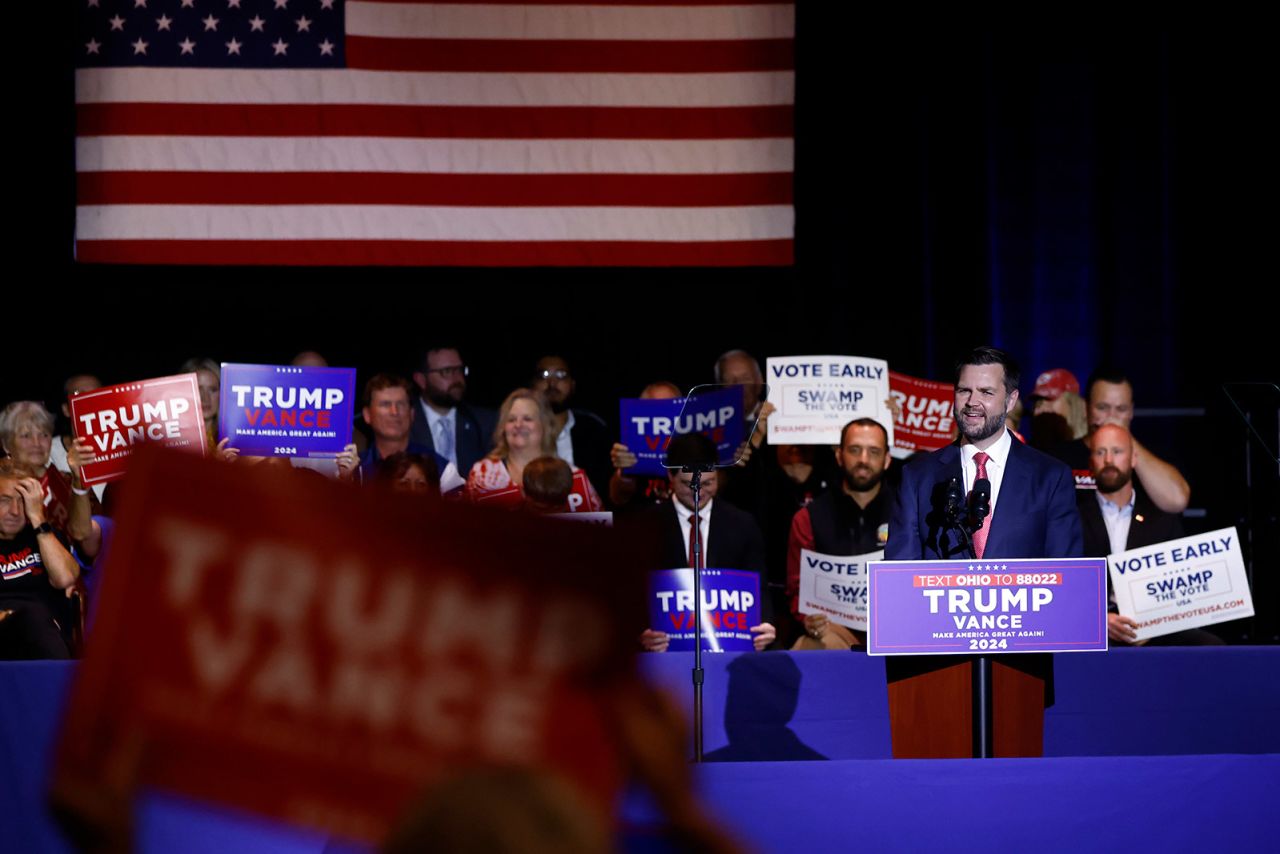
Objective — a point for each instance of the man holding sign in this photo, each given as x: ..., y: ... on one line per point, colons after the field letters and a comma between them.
x: 729, y: 537
x: 1118, y: 518
x: 851, y: 519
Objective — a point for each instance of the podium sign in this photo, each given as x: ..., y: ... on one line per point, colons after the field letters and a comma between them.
x: 955, y: 607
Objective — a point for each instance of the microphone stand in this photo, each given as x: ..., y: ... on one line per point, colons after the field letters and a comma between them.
x: 981, y: 683
x: 695, y: 535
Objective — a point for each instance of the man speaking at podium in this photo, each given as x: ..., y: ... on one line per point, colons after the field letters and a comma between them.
x: 1037, y: 493
x: 1031, y: 514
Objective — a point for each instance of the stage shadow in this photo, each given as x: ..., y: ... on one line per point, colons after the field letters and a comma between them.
x: 764, y: 689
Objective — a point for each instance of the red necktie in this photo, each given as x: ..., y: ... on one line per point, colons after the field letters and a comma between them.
x: 694, y: 553
x: 980, y: 535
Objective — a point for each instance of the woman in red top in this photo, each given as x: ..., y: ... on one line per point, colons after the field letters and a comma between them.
x: 524, y: 433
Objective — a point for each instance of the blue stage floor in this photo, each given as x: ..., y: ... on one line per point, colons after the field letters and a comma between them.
x: 1163, y: 750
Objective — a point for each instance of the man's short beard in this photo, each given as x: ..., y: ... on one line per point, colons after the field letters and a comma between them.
x: 559, y: 407
x: 871, y: 483
x: 991, y: 426
x: 1111, y: 483
x: 444, y: 399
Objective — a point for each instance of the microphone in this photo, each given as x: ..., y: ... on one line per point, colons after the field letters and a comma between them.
x: 979, y: 502
x: 954, y: 500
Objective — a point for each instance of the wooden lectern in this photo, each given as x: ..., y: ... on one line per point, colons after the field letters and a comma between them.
x: 931, y: 705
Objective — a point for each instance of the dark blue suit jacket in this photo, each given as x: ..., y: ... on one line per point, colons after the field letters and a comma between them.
x: 473, y: 437
x: 1035, y: 516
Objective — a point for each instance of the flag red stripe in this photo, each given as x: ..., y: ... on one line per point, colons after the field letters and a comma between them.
x: 751, y: 253
x: 382, y: 188
x: 437, y: 122
x: 675, y: 4
x: 510, y: 55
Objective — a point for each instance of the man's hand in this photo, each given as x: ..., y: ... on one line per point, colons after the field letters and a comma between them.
x: 1122, y: 629
x: 654, y: 641
x: 762, y: 425
x: 621, y: 457
x: 32, y: 500
x: 347, y: 461
x: 765, y: 634
x: 815, y: 625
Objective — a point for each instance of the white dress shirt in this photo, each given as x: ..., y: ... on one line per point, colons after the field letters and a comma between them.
x: 1117, y: 519
x: 450, y: 419
x: 999, y: 453
x: 683, y: 515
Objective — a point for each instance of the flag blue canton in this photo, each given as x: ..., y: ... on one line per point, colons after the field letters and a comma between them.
x: 210, y: 34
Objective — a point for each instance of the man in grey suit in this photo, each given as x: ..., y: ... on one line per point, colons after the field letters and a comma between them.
x: 458, y: 432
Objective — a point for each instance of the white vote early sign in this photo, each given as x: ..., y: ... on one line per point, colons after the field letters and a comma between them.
x: 835, y: 585
x: 814, y: 396
x: 1182, y: 584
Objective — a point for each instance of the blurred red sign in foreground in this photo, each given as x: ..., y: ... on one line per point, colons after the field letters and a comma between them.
x: 273, y: 641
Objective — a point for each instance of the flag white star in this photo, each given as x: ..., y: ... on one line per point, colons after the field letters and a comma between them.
x: 188, y: 47
x: 139, y: 4
x: 280, y: 4
x: 233, y: 46
x: 163, y: 22
x: 139, y: 47
x: 188, y: 4
x: 255, y: 24
x: 210, y: 23
x: 280, y: 46
x: 117, y: 23
x: 93, y: 4
x: 326, y: 48
x: 92, y: 45
x: 304, y: 24
x: 233, y: 4
x: 326, y: 4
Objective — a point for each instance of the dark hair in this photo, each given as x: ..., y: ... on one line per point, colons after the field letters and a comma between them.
x: 394, y: 467
x: 690, y: 449
x: 1106, y: 374
x: 991, y: 356
x: 865, y: 422
x: 382, y: 382
x: 435, y: 348
x: 540, y: 359
x: 548, y: 481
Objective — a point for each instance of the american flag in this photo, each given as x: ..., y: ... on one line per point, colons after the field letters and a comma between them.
x: 474, y: 133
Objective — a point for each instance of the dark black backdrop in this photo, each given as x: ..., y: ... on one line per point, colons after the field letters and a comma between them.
x: 1074, y: 190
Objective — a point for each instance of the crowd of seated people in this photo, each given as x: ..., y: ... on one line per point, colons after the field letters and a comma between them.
x: 418, y: 434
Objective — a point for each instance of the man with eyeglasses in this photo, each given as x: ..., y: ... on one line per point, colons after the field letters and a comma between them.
x: 582, y: 437
x: 460, y: 433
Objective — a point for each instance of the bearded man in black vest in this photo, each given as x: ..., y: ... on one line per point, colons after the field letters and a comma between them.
x: 852, y: 518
